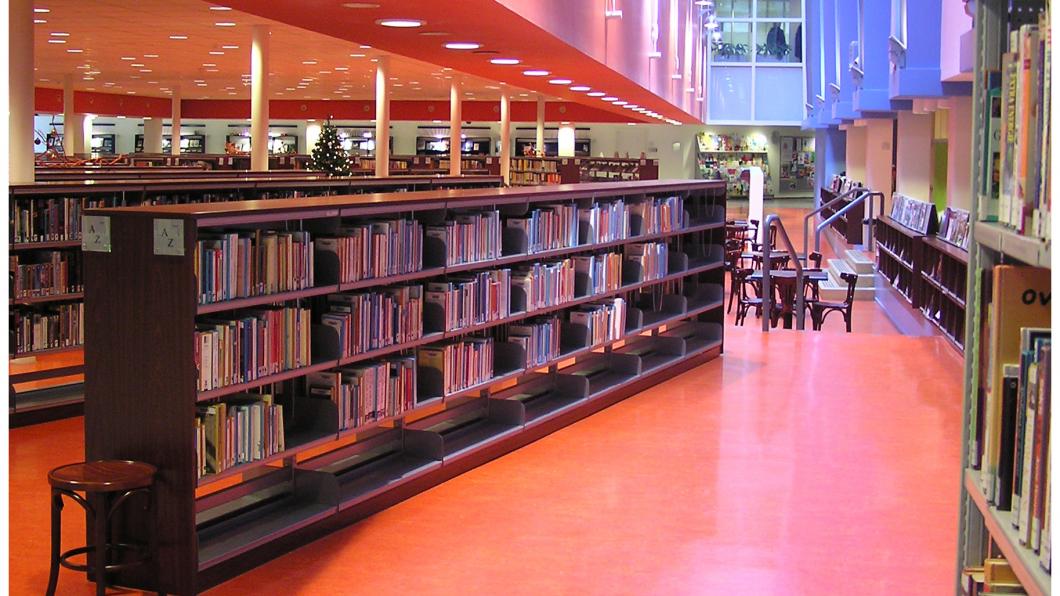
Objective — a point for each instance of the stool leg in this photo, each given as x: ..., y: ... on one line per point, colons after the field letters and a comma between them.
x: 99, y: 531
x: 57, y: 522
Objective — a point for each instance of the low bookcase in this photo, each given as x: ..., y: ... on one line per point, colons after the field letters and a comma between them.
x: 142, y: 380
x: 898, y: 254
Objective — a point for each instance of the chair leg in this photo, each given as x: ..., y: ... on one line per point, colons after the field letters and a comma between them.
x: 846, y: 318
x: 57, y: 523
x: 99, y: 534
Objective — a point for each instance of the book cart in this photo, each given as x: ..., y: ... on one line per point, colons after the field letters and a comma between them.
x: 49, y: 231
x: 141, y: 380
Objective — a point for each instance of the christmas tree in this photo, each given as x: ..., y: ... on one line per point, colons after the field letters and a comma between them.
x: 328, y: 155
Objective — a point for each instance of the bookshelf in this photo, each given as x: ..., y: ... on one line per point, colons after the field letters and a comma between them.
x: 68, y: 198
x: 899, y: 258
x: 534, y: 171
x: 729, y: 165
x: 944, y: 279
x: 213, y: 526
x: 1004, y: 233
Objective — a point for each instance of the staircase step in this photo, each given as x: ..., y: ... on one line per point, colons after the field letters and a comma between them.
x: 859, y: 261
x: 837, y: 266
x: 834, y: 292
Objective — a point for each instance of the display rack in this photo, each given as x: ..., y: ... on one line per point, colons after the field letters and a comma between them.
x: 30, y: 403
x: 729, y: 166
x: 982, y: 524
x: 850, y: 226
x: 141, y: 379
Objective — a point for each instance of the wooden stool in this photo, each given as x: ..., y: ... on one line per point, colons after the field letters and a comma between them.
x: 113, y: 481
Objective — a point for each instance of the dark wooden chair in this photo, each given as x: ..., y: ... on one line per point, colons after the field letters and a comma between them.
x: 814, y: 260
x: 750, y: 294
x: 107, y: 484
x: 821, y: 309
x: 733, y: 250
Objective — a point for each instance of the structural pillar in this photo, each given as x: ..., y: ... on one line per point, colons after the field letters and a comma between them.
x: 259, y: 98
x: 539, y: 142
x: 382, y: 117
x: 20, y: 92
x: 72, y: 125
x: 506, y: 136
x: 565, y: 140
x: 174, y: 146
x: 152, y: 135
x: 455, y: 141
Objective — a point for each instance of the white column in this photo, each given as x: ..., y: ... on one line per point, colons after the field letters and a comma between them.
x: 506, y: 136
x: 382, y: 117
x: 565, y: 139
x: 86, y: 132
x: 915, y: 147
x: 152, y: 135
x: 878, y: 175
x: 20, y: 92
x: 455, y: 142
x: 71, y: 123
x: 539, y: 142
x: 958, y: 159
x: 259, y: 98
x: 312, y: 135
x: 174, y: 147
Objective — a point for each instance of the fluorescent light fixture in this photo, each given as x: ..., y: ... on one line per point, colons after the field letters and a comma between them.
x: 357, y: 55
x: 229, y: 47
x: 39, y: 21
x: 150, y: 55
x: 504, y: 61
x: 136, y: 65
x: 310, y: 62
x: 400, y: 23
x: 342, y: 68
x: 56, y: 41
x: 559, y: 81
x: 631, y: 106
x: 59, y: 34
x: 609, y: 98
x: 41, y: 10
x: 178, y: 37
x: 619, y: 102
x: 596, y: 94
x: 225, y: 24
x: 580, y: 88
x: 536, y: 73
x: 216, y: 53
x: 219, y: 8
x: 462, y: 45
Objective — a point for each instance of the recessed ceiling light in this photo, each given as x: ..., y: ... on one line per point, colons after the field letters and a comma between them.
x: 59, y: 34
x: 462, y: 45
x: 41, y: 10
x: 200, y: 84
x: 89, y: 78
x: 136, y: 65
x: 536, y: 73
x: 619, y: 102
x: 364, y: 47
x: 146, y: 70
x: 360, y: 5
x: 219, y: 8
x: 56, y: 41
x: 209, y: 64
x: 356, y: 55
x: 310, y: 62
x: 595, y: 94
x: 216, y: 53
x: 178, y: 37
x: 324, y: 72
x: 504, y: 61
x: 150, y: 55
x: 609, y: 98
x: 631, y: 106
x: 39, y: 21
x: 229, y: 47
x: 400, y: 23
x: 225, y: 24
x: 127, y: 58
x: 130, y: 93
x: 559, y: 81
x: 579, y: 88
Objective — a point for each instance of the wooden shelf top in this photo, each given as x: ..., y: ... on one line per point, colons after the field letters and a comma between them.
x: 460, y: 197
x: 946, y: 248
x: 897, y: 225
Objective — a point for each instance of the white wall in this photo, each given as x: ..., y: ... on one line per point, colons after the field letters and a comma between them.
x: 959, y: 153
x: 913, y: 166
x: 855, y: 159
x: 878, y: 139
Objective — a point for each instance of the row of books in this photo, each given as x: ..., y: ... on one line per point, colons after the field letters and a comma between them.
x: 371, y: 320
x: 545, y: 284
x: 606, y: 320
x: 539, y: 338
x: 470, y: 238
x: 1016, y: 192
x: 472, y: 299
x: 1012, y: 443
x: 242, y: 264
x: 243, y: 428
x: 251, y: 344
x: 541, y: 165
x: 548, y: 227
x: 47, y: 327
x: 460, y: 363
x: 368, y: 392
x: 51, y: 273
x: 49, y: 220
x: 659, y: 214
x: 604, y: 271
x: 653, y: 258
x: 518, y: 178
x: 375, y: 249
x: 605, y: 221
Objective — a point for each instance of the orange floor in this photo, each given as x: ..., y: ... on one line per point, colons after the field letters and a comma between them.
x: 798, y: 463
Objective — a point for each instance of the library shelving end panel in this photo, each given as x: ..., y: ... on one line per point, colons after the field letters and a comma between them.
x: 140, y: 380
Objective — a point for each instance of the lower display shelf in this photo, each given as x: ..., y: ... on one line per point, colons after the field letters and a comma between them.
x: 1024, y: 562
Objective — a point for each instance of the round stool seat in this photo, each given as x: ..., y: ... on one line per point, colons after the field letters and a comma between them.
x: 107, y: 475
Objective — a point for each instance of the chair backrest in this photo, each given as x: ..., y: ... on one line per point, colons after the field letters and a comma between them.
x: 852, y: 282
x: 815, y: 258
x: 740, y: 276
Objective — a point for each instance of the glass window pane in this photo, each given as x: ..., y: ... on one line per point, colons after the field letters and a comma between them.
x: 779, y: 9
x: 730, y: 93
x: 731, y: 42
x: 778, y: 42
x: 775, y: 91
x: 728, y: 9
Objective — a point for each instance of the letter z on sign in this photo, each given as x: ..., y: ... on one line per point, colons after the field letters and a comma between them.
x: 169, y: 237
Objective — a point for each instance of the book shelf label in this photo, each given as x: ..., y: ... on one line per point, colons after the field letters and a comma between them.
x: 169, y: 237
x: 95, y: 235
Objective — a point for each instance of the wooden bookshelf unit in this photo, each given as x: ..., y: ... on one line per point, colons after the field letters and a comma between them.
x: 30, y: 403
x: 142, y: 306
x: 850, y: 225
x: 944, y: 283
x: 899, y: 255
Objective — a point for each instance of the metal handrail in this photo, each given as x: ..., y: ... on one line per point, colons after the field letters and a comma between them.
x: 872, y: 228
x: 806, y: 220
x: 767, y: 290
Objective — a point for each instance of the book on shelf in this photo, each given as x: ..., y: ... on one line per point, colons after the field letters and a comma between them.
x: 651, y: 257
x: 369, y: 250
x: 367, y: 392
x: 544, y: 284
x: 539, y: 338
x: 605, y: 221
x: 470, y: 237
x: 241, y: 429
x: 659, y: 214
x: 605, y: 320
x: 602, y: 271
x: 47, y: 327
x: 468, y: 300
x: 368, y: 321
x: 49, y: 220
x: 549, y: 227
x: 233, y: 265
x: 45, y: 273
x: 251, y: 344
x: 460, y: 363
x: 991, y: 180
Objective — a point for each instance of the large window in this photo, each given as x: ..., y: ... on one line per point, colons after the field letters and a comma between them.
x: 764, y: 40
